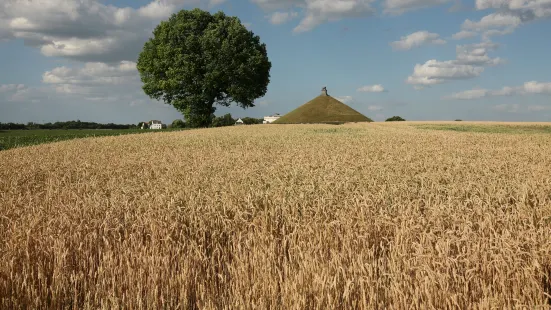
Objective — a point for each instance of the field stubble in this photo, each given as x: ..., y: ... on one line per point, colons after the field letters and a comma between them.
x: 278, y: 217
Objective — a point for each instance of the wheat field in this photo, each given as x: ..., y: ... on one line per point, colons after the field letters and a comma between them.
x: 356, y: 216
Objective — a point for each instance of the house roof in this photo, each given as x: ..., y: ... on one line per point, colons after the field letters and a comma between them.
x: 155, y: 122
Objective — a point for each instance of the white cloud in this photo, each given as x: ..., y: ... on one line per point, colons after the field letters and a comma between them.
x: 345, y: 99
x: 464, y: 34
x: 477, y: 54
x: 469, y: 94
x: 508, y: 15
x: 494, y: 20
x: 534, y: 87
x: 278, y: 18
x: 87, y: 30
x: 493, y: 24
x: 378, y: 88
x: 94, y: 81
x: 469, y: 63
x: 436, y: 72
x: 528, y: 88
x: 316, y: 12
x: 4, y: 88
x: 374, y: 108
x: 321, y: 11
x: 396, y: 7
x: 278, y: 4
x: 417, y: 39
x: 95, y: 73
x: 526, y: 9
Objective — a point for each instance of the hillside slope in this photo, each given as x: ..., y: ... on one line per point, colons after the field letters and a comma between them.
x: 322, y: 109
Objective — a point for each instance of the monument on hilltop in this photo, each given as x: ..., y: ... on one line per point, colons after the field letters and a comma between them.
x: 323, y: 109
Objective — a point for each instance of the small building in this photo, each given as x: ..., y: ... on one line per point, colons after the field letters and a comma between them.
x: 271, y: 118
x: 239, y: 122
x: 155, y: 124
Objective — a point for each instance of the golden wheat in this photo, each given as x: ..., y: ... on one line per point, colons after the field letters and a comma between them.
x: 359, y: 216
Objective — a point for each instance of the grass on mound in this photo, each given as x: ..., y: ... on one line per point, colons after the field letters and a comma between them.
x: 323, y: 109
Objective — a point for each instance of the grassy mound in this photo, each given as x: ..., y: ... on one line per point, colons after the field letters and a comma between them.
x: 322, y: 109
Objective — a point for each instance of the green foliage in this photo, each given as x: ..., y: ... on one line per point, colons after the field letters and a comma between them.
x: 178, y: 123
x: 225, y: 120
x: 395, y: 119
x: 66, y: 125
x: 196, y: 60
x: 458, y: 120
x: 252, y: 121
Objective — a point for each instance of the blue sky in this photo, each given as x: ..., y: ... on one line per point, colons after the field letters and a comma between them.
x: 420, y: 59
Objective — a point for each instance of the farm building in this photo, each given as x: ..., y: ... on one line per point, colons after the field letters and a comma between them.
x: 155, y: 124
x: 271, y: 118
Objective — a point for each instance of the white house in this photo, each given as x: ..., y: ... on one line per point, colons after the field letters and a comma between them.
x: 239, y: 122
x: 271, y: 118
x: 154, y: 124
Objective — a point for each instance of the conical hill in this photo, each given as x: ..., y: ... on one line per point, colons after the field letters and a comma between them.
x: 322, y: 109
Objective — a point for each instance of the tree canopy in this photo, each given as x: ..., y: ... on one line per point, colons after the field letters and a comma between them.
x: 395, y: 119
x: 196, y: 60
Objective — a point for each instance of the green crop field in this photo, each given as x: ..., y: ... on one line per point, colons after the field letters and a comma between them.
x: 17, y: 138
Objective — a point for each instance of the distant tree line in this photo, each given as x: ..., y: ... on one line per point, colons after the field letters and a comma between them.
x: 395, y: 119
x: 65, y: 125
x: 216, y: 121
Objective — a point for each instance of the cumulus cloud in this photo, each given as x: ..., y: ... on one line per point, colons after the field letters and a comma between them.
x: 436, y: 72
x: 378, y: 88
x: 417, y: 39
x: 345, y: 99
x: 95, y: 80
x: 321, y: 11
x: 5, y: 88
x: 527, y: 10
x: 469, y: 63
x: 278, y: 18
x: 87, y: 30
x: 316, y: 12
x: 464, y: 34
x: 12, y: 92
x: 278, y: 4
x: 494, y: 20
x: 508, y: 15
x: 528, y: 88
x: 477, y: 54
x: 493, y: 24
x: 396, y: 7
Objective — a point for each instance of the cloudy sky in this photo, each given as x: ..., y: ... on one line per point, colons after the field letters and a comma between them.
x: 420, y: 59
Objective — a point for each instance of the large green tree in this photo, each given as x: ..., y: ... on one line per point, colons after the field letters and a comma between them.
x: 196, y: 60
